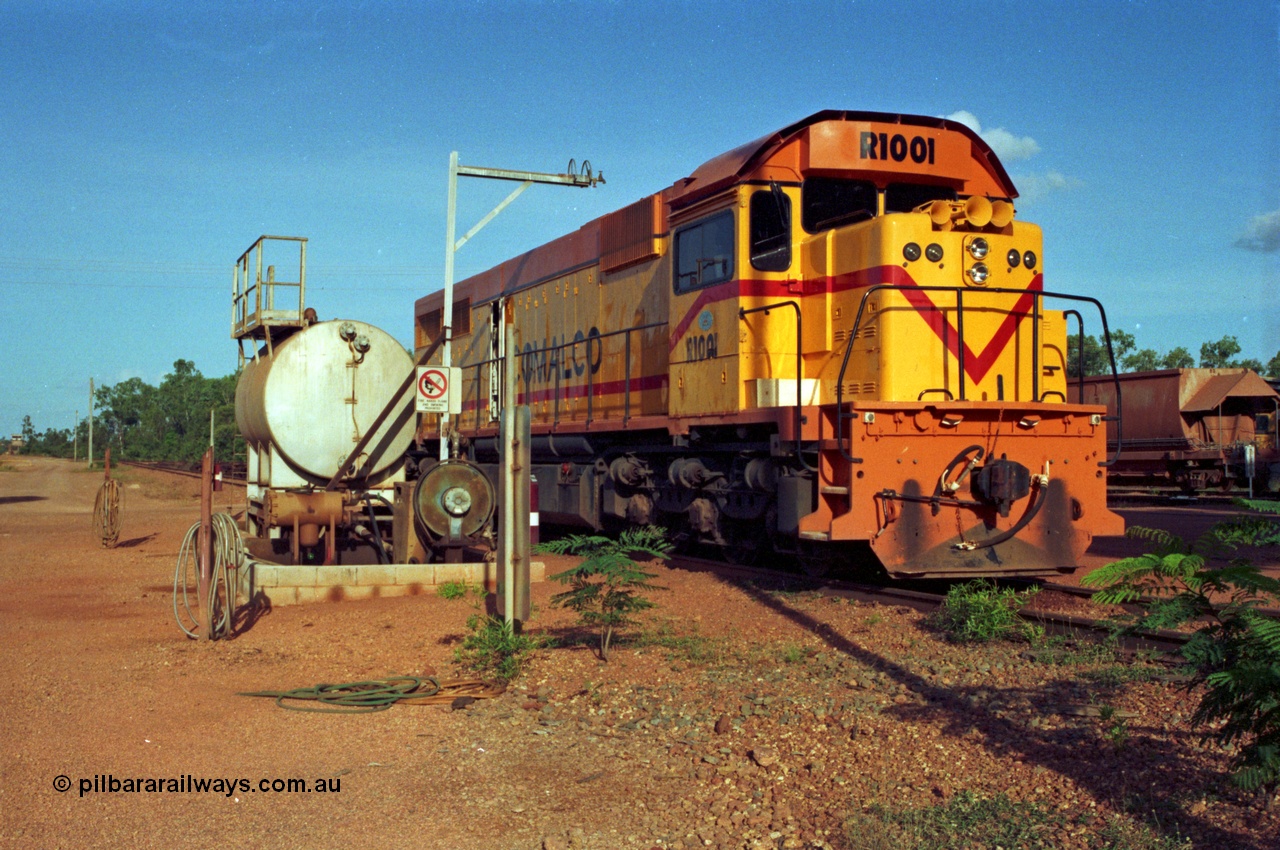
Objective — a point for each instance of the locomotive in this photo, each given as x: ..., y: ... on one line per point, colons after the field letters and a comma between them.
x: 831, y: 343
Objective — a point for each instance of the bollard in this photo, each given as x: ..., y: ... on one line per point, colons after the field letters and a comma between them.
x: 534, y: 537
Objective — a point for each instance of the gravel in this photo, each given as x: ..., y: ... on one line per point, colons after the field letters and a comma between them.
x: 734, y: 717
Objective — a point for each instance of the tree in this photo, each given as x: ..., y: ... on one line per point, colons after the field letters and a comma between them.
x: 605, y: 588
x: 1217, y: 355
x: 1250, y: 363
x: 1146, y: 360
x: 1095, y: 353
x: 1273, y: 367
x: 1236, y: 648
x: 168, y: 422
x: 1178, y: 358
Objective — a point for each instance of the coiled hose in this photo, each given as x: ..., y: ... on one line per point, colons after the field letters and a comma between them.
x: 106, y: 513
x: 380, y: 694
x: 228, y: 554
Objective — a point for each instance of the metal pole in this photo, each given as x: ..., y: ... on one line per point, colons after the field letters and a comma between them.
x: 583, y: 179
x: 506, y: 538
x: 205, y: 542
x: 211, y: 427
x: 75, y: 439
x: 446, y: 309
x: 90, y: 455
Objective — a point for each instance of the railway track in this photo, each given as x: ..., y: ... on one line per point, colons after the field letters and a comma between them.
x: 927, y: 601
x: 233, y: 473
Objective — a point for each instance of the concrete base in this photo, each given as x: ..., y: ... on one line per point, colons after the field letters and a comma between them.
x: 293, y: 585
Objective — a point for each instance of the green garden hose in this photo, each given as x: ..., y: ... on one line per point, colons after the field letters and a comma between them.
x: 380, y: 694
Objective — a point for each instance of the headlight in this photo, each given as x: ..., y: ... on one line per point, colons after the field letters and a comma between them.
x: 978, y: 248
x: 1029, y: 259
x: 978, y: 274
x: 933, y: 253
x: 911, y: 251
x: 1014, y: 258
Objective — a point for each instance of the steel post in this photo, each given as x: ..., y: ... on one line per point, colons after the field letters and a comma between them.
x: 205, y: 543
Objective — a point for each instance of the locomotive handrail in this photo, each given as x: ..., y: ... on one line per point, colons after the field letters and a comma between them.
x: 1079, y: 352
x: 799, y: 416
x: 842, y: 416
x: 626, y: 373
x: 598, y: 339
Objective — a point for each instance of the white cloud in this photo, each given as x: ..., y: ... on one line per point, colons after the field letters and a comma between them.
x: 1262, y: 234
x: 967, y: 118
x: 1006, y: 145
x: 1033, y: 187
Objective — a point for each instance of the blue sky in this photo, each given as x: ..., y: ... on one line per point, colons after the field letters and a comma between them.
x: 146, y: 145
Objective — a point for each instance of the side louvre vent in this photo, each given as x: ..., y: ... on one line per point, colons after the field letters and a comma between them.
x: 841, y: 335
x: 630, y: 235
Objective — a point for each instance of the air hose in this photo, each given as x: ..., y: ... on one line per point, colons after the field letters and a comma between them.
x: 380, y: 694
x: 228, y: 554
x: 1032, y: 509
x: 106, y: 513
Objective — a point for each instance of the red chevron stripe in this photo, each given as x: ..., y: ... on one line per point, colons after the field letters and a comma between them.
x: 976, y: 364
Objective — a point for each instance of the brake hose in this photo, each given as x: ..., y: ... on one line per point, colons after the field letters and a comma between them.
x: 1041, y: 482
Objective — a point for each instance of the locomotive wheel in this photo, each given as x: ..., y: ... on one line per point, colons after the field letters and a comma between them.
x: 748, y: 543
x: 815, y: 561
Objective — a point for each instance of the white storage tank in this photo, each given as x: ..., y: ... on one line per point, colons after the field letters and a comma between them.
x: 304, y: 407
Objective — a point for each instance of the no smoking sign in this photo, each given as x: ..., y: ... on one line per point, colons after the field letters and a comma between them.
x: 438, y: 389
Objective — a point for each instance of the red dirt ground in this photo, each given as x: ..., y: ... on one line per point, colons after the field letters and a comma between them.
x: 737, y: 716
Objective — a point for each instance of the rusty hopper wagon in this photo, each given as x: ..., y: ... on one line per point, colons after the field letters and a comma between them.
x: 832, y: 341
x: 1196, y: 428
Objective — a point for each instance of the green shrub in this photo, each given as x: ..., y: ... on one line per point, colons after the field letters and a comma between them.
x: 493, y: 648
x: 1235, y: 653
x: 978, y: 611
x: 454, y: 589
x: 605, y: 589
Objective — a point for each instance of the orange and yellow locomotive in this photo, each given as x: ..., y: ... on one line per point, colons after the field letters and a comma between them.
x: 830, y: 340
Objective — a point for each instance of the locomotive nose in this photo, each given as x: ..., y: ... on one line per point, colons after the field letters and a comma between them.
x: 1001, y: 483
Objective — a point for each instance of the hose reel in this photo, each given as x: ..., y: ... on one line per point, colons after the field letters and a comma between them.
x: 453, y: 503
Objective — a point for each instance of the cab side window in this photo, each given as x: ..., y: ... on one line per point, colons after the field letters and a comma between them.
x: 704, y: 253
x: 771, y: 230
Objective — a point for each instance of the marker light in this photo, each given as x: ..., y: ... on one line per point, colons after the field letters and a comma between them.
x: 978, y: 274
x: 978, y: 248
x: 1014, y: 258
x: 933, y: 253
x: 911, y: 251
x: 1030, y: 259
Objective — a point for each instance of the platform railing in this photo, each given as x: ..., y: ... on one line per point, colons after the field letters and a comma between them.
x: 254, y: 288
